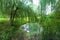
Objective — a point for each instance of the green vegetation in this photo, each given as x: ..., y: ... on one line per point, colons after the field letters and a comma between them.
x: 20, y: 21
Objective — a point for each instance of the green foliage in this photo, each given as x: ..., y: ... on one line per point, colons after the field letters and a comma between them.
x: 25, y: 14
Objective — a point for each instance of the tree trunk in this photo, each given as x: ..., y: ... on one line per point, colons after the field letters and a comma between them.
x: 11, y: 19
x: 12, y: 15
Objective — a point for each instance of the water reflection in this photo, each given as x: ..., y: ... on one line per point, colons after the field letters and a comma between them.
x: 34, y: 30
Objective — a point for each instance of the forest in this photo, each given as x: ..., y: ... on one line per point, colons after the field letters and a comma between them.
x: 29, y: 19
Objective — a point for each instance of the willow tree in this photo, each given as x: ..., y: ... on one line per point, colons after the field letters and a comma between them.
x: 11, y: 7
x: 14, y: 8
x: 47, y: 33
x: 44, y: 4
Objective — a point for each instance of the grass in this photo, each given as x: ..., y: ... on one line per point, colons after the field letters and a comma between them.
x: 20, y: 21
x: 4, y: 19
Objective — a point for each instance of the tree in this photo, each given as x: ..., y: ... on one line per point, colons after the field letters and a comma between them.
x: 48, y: 23
x: 11, y: 7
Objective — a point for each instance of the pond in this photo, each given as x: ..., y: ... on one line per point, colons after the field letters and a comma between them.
x: 33, y: 29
